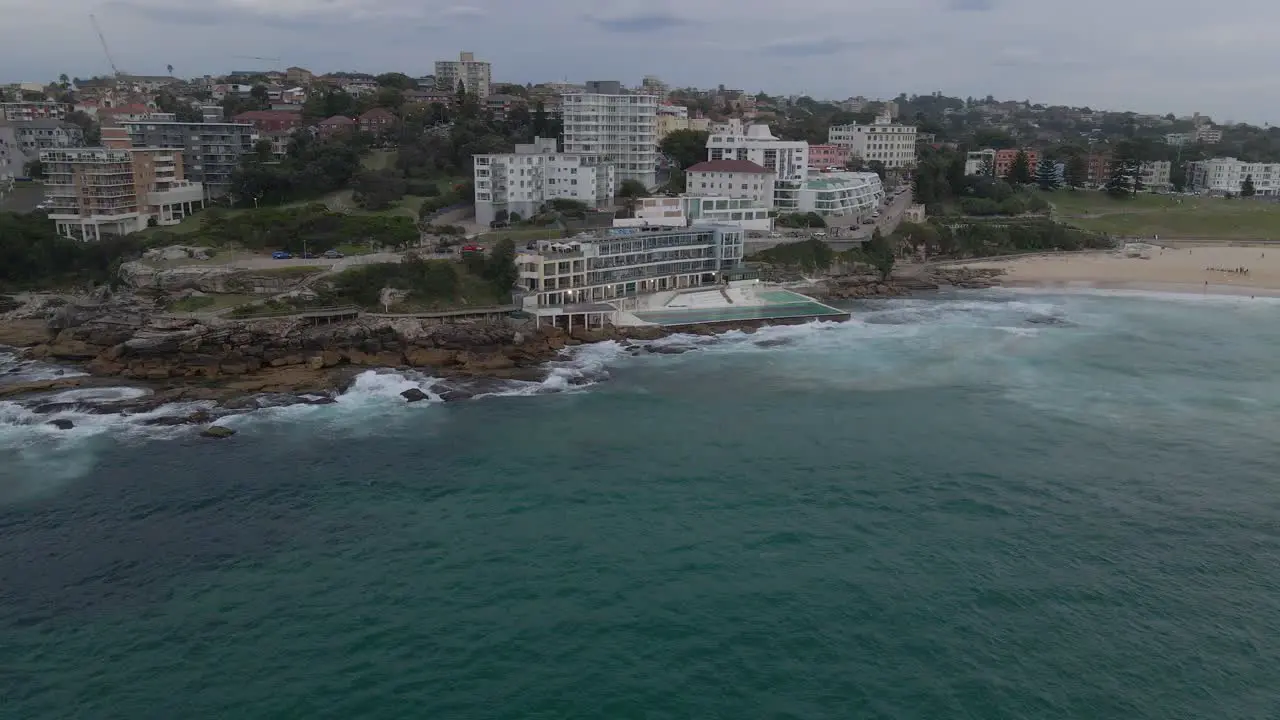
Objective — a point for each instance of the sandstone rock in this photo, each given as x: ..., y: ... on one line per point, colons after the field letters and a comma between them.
x: 433, y: 357
x: 218, y: 432
x: 23, y: 333
x: 331, y: 358
x: 73, y: 350
x: 388, y: 358
x: 315, y: 362
x: 39, y: 386
x: 414, y: 395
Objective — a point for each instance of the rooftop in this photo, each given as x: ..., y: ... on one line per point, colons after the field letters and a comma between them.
x: 734, y: 166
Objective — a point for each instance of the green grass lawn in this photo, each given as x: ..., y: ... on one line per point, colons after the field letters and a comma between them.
x: 210, y: 303
x: 379, y: 159
x: 1171, y: 216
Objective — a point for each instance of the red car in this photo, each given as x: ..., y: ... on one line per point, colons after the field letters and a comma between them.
x: 472, y: 249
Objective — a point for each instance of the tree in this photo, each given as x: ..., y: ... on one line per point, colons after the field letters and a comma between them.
x: 63, y: 81
x: 500, y: 268
x: 514, y: 217
x: 1047, y: 174
x: 377, y: 189
x: 632, y: 189
x: 1077, y: 171
x: 988, y: 168
x: 170, y: 69
x: 501, y: 216
x: 1126, y: 171
x: 685, y: 147
x: 262, y: 150
x: 1178, y: 177
x: 396, y: 80
x: 260, y: 95
x: 1247, y: 189
x: 879, y: 254
x: 1020, y: 170
x: 877, y: 167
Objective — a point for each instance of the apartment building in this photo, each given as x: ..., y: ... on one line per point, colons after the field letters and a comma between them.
x: 979, y: 162
x: 595, y: 274
x: 1155, y: 175
x: 731, y: 178
x: 1005, y: 159
x: 33, y: 110
x: 269, y: 121
x: 1227, y: 175
x: 834, y: 194
x: 13, y: 160
x: 623, y: 129
x: 522, y: 181
x: 36, y: 135
x: 685, y: 210
x: 472, y: 74
x: 500, y: 105
x: 116, y: 189
x: 884, y: 140
x: 376, y: 120
x: 1208, y: 134
x: 210, y: 151
x: 828, y: 156
x: 786, y: 159
x: 1178, y: 139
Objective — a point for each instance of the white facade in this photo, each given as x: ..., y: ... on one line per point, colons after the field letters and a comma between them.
x: 890, y: 143
x: 1155, y: 175
x: 475, y: 75
x: 731, y: 178
x: 1208, y: 134
x: 978, y: 161
x: 689, y: 209
x: 521, y: 182
x: 837, y: 194
x: 621, y: 128
x: 1178, y: 139
x: 788, y: 160
x: 1227, y: 175
x: 599, y: 274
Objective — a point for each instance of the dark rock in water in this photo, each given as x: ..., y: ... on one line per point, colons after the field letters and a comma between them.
x: 62, y: 424
x: 218, y: 432
x: 199, y: 417
x: 667, y: 349
x: 1047, y: 320
x: 166, y: 421
x: 414, y: 395
x: 775, y: 342
x: 319, y: 401
x: 455, y: 394
x: 580, y: 380
x: 49, y: 408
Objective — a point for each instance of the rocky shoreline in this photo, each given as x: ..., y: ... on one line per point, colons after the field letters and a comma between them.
x: 233, y: 366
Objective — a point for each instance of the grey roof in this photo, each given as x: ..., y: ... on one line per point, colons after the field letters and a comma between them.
x: 45, y: 124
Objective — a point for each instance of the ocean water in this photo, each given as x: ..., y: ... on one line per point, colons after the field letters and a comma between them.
x: 982, y: 505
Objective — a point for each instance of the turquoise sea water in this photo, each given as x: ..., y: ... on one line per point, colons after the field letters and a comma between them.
x: 985, y: 505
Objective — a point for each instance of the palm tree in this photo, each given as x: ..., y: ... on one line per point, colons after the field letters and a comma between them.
x: 170, y: 68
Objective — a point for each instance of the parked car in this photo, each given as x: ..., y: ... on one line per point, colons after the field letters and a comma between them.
x: 869, y: 221
x: 332, y: 255
x: 819, y: 234
x: 775, y: 234
x: 309, y: 256
x: 472, y: 249
x: 281, y: 255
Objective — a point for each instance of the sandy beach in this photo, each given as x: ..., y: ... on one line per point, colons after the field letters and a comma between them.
x: 1188, y: 270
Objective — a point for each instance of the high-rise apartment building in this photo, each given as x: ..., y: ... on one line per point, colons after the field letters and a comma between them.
x: 210, y: 151
x: 522, y: 181
x: 883, y: 140
x: 474, y: 75
x: 116, y: 189
x: 623, y: 129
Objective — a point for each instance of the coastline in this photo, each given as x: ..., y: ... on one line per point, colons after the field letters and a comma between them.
x: 1137, y: 267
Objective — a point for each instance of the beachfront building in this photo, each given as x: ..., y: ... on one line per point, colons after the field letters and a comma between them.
x: 116, y: 189
x: 834, y: 194
x: 28, y: 110
x: 587, y: 280
x: 520, y: 182
x: 685, y: 210
x: 621, y: 128
x: 1227, y: 175
x: 884, y: 140
x: 827, y: 157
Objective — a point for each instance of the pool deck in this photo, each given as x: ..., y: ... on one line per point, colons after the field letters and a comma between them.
x: 736, y: 304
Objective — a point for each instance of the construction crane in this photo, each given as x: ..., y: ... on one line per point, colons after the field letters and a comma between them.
x: 106, y: 50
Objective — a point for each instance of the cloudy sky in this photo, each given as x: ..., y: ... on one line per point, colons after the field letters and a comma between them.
x: 1146, y: 55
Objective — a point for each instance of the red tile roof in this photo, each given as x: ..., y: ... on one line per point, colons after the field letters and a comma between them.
x: 733, y: 166
x: 338, y: 120
x: 377, y: 113
x: 268, y: 115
